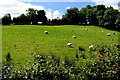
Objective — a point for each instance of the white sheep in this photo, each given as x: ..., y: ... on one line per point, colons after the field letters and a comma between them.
x: 69, y: 44
x: 46, y: 32
x: 108, y: 34
x: 102, y: 31
x: 86, y: 29
x: 91, y: 47
x: 83, y: 29
x: 74, y: 37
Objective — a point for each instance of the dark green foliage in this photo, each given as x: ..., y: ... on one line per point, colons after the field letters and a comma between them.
x: 33, y: 16
x: 97, y: 15
x: 6, y: 20
x: 71, y: 16
x: 56, y: 21
x: 107, y: 66
x: 41, y: 16
x: 110, y: 16
x: 22, y: 19
x: 117, y: 22
x: 49, y: 67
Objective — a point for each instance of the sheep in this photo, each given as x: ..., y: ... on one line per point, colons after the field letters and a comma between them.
x: 86, y: 29
x: 83, y: 29
x: 69, y: 44
x: 102, y: 31
x: 46, y: 32
x: 91, y: 47
x: 108, y: 34
x: 74, y: 37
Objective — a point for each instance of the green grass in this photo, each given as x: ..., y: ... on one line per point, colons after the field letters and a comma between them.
x: 22, y: 40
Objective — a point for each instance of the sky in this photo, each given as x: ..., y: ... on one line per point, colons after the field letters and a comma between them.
x: 58, y: 7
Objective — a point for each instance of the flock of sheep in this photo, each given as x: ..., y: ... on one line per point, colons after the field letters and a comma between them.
x: 86, y: 29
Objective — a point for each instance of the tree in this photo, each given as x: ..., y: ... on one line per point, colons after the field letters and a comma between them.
x: 36, y: 16
x: 65, y: 20
x: 110, y: 16
x: 117, y: 22
x: 41, y: 16
x: 56, y: 21
x: 71, y: 16
x: 6, y: 20
x: 22, y: 19
x: 82, y: 16
x: 32, y: 14
x: 99, y: 11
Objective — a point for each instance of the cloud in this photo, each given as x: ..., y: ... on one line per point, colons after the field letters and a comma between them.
x: 53, y: 14
x: 56, y: 0
x: 67, y: 8
x: 56, y: 13
x: 17, y: 7
x: 107, y: 3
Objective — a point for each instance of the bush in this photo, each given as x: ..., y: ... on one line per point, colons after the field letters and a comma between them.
x: 49, y: 67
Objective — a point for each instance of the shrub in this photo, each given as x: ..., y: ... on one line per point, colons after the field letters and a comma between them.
x: 49, y: 67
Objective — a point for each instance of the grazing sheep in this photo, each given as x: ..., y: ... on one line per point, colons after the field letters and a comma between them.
x: 46, y: 32
x: 83, y: 29
x: 69, y: 44
x: 102, y: 31
x: 91, y: 47
x: 74, y: 37
x: 108, y: 34
x: 86, y: 29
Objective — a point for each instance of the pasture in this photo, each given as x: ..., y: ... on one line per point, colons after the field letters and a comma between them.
x: 23, y: 40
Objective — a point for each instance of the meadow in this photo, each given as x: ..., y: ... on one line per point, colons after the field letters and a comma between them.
x: 23, y: 40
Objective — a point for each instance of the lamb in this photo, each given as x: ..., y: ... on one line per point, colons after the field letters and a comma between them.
x: 74, y: 37
x: 46, y: 32
x: 69, y: 44
x: 102, y: 31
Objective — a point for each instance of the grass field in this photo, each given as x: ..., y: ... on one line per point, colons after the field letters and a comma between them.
x: 22, y: 40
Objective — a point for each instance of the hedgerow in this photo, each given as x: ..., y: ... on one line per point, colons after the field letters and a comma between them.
x: 49, y: 67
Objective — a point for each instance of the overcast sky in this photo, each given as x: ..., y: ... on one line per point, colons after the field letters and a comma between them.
x: 58, y: 7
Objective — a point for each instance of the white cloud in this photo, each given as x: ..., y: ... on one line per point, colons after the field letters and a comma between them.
x: 67, y: 7
x: 56, y: 14
x: 56, y: 0
x: 17, y: 7
x: 25, y: 0
x: 53, y: 14
x: 113, y: 3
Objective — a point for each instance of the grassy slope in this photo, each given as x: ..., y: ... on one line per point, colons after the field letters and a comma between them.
x: 22, y: 40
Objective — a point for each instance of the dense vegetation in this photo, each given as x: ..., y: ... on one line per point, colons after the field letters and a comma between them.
x: 50, y: 67
x: 98, y: 15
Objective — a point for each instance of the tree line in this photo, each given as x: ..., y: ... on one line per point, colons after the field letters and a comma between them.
x: 98, y: 15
